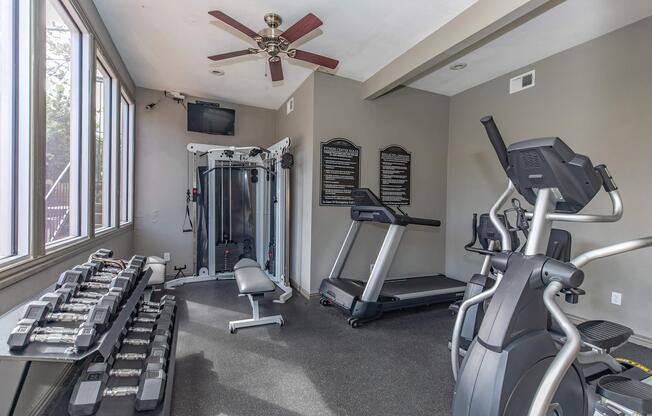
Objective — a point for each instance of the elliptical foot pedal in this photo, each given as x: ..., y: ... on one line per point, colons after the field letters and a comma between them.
x: 632, y: 394
x: 604, y: 334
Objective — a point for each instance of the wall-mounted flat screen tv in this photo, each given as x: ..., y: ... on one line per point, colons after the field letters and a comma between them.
x: 211, y: 119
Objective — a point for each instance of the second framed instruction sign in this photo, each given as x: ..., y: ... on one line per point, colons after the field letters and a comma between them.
x: 340, y: 171
x: 395, y: 175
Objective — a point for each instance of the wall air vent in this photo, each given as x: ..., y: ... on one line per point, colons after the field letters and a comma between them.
x: 521, y: 82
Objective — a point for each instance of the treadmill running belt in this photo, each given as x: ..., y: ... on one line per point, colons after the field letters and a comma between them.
x: 421, y: 286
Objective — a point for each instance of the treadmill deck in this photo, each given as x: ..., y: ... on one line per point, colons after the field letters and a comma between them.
x: 405, y: 288
x: 414, y: 287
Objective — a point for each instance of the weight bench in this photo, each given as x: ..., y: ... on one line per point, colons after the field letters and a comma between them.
x: 253, y: 283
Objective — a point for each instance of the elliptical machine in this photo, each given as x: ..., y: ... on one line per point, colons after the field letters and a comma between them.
x: 488, y: 237
x: 515, y: 366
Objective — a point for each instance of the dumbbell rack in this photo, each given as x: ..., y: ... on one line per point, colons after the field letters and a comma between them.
x: 43, y: 352
x: 113, y: 407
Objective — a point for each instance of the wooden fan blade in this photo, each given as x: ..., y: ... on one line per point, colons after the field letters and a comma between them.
x: 276, y: 70
x: 233, y: 23
x: 228, y: 55
x: 316, y: 59
x: 304, y: 26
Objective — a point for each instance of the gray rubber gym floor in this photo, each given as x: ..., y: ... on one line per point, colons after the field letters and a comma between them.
x: 314, y: 365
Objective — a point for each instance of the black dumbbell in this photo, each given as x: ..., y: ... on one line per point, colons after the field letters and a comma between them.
x: 28, y: 331
x: 104, y: 253
x: 73, y: 294
x: 98, y: 316
x: 155, y: 349
x: 102, y: 269
x: 105, y: 367
x: 140, y: 261
x: 157, y: 338
x: 90, y: 390
x: 164, y: 324
x: 152, y: 317
x: 62, y: 302
x: 84, y: 278
x: 168, y: 307
x: 162, y: 302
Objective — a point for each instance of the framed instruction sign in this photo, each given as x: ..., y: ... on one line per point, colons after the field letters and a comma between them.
x: 395, y: 175
x: 340, y: 172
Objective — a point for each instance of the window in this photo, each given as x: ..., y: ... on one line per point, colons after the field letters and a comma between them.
x: 59, y: 148
x: 126, y: 159
x: 63, y: 148
x: 103, y: 147
x: 7, y: 131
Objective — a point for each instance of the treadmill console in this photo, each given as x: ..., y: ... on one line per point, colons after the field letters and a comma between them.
x: 368, y: 207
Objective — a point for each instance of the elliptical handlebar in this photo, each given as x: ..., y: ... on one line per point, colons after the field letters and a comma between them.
x: 565, y: 357
x: 474, y: 225
x: 616, y: 212
x: 505, y: 238
x: 496, y: 140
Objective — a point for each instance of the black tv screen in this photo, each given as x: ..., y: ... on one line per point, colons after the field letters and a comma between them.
x: 211, y: 119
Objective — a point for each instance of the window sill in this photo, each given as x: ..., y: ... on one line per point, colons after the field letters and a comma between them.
x: 8, y: 262
x: 22, y: 269
x: 100, y: 232
x: 64, y: 243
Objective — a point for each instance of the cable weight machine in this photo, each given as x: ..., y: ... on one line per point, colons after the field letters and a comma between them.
x: 240, y: 204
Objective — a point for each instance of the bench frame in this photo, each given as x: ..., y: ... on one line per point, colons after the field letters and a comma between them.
x: 256, y: 320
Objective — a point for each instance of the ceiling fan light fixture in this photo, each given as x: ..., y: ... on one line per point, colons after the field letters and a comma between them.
x: 458, y: 66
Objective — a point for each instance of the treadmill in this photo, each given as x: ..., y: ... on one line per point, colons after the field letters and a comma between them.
x: 365, y: 301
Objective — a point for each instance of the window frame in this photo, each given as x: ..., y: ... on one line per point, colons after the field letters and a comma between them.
x: 8, y: 218
x: 79, y: 174
x: 128, y: 204
x: 109, y: 194
x: 21, y: 35
x: 29, y: 119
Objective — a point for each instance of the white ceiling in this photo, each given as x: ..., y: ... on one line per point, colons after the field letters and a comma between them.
x: 569, y: 24
x: 165, y: 43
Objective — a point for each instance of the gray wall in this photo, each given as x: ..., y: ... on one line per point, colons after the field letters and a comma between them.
x: 418, y: 121
x: 161, y: 177
x: 598, y: 98
x: 299, y: 126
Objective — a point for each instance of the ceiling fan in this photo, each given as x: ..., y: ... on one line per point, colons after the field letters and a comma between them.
x: 276, y: 42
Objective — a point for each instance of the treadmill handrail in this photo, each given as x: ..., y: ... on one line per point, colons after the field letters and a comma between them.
x: 418, y: 221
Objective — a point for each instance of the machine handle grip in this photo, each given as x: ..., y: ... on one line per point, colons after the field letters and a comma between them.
x: 496, y: 140
x: 422, y: 221
x: 607, y: 180
x: 470, y: 244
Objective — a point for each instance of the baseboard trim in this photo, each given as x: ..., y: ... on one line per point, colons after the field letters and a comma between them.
x: 637, y: 339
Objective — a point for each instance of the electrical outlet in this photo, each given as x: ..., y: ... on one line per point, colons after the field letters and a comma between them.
x: 289, y: 106
x: 616, y: 298
x: 166, y: 256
